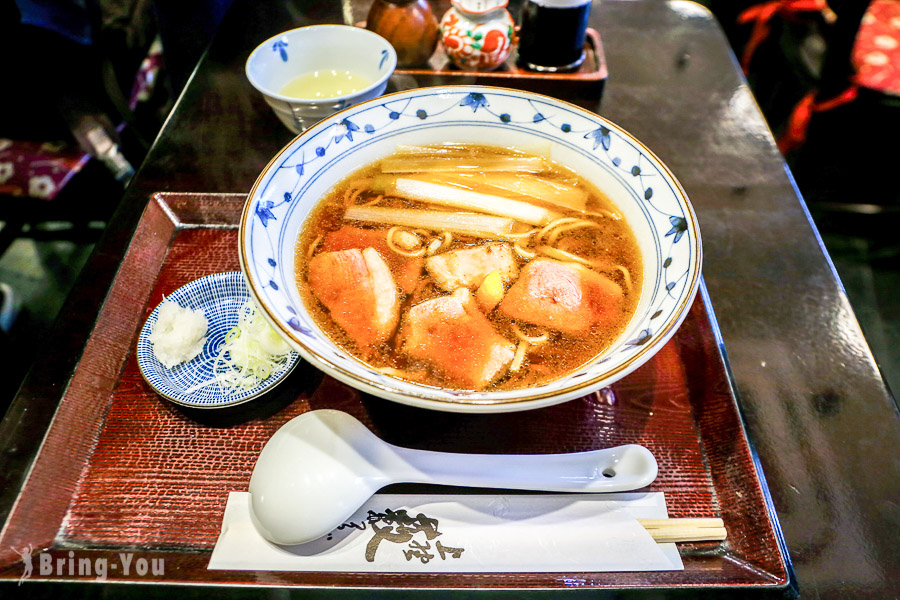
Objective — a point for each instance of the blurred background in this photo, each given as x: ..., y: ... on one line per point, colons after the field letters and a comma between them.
x: 89, y: 83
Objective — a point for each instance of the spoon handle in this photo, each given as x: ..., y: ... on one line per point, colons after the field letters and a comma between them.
x: 616, y: 469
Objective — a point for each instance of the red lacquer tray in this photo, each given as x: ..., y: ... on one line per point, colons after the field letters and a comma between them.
x: 121, y: 469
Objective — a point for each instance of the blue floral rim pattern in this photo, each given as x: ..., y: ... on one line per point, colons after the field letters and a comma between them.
x: 281, y: 195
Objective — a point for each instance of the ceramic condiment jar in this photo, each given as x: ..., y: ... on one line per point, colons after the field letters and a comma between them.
x: 409, y: 25
x: 478, y: 35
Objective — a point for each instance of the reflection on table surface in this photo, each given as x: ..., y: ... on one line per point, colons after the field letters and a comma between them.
x: 815, y: 406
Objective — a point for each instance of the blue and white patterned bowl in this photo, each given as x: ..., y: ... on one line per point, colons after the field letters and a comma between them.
x: 642, y: 187
x: 221, y: 297
x: 287, y: 55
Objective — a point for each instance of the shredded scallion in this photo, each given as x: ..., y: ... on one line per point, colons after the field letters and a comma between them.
x: 252, y: 352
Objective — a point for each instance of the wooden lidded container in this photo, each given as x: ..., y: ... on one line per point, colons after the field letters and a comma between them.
x: 409, y: 25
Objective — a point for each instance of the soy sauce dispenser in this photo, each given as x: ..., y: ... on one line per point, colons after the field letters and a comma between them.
x: 552, y: 34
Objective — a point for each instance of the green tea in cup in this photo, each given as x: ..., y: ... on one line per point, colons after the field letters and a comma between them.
x: 326, y: 83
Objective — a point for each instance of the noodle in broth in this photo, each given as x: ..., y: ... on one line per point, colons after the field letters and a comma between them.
x: 469, y: 267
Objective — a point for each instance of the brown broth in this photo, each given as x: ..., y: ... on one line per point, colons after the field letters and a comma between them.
x: 611, y: 241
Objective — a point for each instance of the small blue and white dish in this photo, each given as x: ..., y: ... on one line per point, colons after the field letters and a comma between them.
x: 221, y: 297
x: 635, y: 180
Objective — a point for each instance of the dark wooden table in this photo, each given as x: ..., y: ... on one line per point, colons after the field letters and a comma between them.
x: 825, y: 427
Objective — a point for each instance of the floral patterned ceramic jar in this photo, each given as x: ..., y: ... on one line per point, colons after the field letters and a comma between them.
x: 478, y: 35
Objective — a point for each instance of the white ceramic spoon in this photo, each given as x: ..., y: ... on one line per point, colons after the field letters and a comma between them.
x: 320, y: 467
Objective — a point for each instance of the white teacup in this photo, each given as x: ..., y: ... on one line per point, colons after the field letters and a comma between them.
x: 365, y: 58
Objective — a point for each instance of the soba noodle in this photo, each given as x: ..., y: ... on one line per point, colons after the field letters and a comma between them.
x: 448, y: 230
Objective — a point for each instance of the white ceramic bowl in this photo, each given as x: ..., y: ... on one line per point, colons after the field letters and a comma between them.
x: 288, y: 55
x: 645, y: 191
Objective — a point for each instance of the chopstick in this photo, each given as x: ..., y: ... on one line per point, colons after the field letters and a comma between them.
x: 685, y: 529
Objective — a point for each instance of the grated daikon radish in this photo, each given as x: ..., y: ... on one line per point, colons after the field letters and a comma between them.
x: 178, y: 334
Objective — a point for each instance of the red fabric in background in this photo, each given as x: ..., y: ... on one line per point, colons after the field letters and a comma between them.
x: 761, y: 14
x: 876, y: 52
x: 876, y: 62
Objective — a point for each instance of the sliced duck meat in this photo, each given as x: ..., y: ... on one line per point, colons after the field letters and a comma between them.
x: 562, y: 296
x: 467, y: 267
x: 406, y: 270
x: 452, y: 335
x: 357, y: 287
